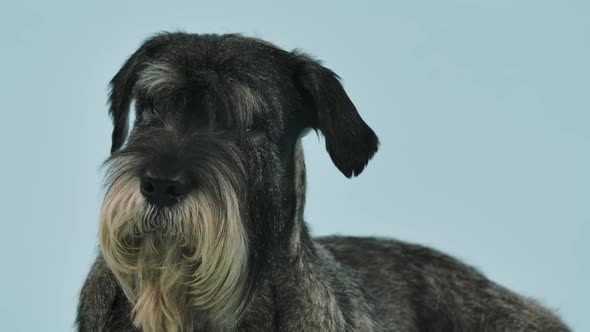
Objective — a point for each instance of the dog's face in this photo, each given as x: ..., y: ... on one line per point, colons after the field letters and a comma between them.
x: 204, y: 190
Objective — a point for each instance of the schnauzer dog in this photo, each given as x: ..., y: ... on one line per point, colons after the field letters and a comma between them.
x: 202, y: 225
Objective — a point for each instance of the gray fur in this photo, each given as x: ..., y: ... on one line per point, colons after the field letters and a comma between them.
x: 292, y: 282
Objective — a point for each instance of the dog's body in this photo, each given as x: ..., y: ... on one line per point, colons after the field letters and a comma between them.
x: 378, y: 285
x: 202, y: 226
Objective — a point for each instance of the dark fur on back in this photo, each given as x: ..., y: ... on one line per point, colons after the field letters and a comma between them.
x: 225, y: 113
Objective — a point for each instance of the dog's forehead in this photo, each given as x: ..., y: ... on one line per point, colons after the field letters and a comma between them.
x: 237, y: 74
x: 205, y: 61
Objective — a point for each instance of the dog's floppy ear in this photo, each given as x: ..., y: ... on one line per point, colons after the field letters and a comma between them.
x: 122, y: 86
x: 350, y: 142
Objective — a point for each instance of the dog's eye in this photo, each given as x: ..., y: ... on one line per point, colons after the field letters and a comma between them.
x: 151, y: 112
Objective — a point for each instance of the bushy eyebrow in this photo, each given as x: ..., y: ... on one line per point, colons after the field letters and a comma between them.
x: 222, y: 100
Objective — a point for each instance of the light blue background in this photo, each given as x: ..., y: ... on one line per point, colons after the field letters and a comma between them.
x: 482, y: 108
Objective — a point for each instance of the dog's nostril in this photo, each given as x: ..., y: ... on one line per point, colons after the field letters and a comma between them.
x: 147, y: 186
x: 172, y: 191
x: 178, y: 188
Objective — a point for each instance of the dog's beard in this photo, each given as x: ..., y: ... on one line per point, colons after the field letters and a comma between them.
x: 178, y: 261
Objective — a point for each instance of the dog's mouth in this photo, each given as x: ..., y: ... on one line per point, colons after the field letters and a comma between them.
x: 159, y: 219
x: 156, y: 219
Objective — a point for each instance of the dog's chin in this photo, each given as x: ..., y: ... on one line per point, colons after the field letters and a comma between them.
x: 175, y: 262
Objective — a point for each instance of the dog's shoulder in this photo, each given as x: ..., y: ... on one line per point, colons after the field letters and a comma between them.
x: 102, y: 304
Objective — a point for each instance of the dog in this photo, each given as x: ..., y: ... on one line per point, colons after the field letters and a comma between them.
x: 202, y: 224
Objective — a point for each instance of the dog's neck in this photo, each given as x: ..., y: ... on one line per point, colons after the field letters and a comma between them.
x: 302, y: 248
x: 299, y: 278
x: 299, y: 237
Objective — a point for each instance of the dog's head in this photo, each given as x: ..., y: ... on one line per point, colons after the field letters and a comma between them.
x: 201, y: 192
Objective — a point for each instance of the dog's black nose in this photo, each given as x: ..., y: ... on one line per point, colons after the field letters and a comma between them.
x: 163, y: 191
